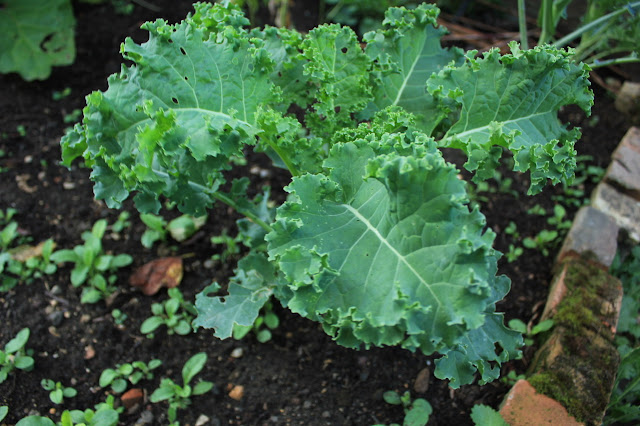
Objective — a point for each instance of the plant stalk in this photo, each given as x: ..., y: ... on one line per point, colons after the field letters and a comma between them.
x: 631, y: 8
x: 522, y: 23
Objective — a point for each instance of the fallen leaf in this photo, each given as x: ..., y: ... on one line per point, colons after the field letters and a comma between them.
x: 152, y: 276
x: 25, y: 252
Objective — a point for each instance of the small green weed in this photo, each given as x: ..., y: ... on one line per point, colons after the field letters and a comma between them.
x: 180, y: 396
x: 92, y: 265
x: 416, y: 412
x: 175, y: 313
x: 132, y: 373
x: 15, y: 355
x: 58, y: 392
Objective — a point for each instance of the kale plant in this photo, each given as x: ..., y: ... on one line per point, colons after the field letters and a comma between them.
x: 376, y: 240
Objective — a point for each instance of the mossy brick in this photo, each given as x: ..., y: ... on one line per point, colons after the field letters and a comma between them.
x: 623, y: 209
x: 523, y: 406
x: 592, y: 232
x: 624, y: 170
x: 576, y: 365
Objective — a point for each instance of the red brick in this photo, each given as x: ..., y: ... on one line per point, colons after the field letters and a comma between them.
x: 523, y: 406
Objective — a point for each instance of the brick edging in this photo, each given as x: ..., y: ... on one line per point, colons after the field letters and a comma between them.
x: 572, y: 374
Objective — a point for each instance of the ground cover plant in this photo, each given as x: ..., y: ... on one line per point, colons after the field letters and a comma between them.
x: 299, y: 376
x: 376, y: 241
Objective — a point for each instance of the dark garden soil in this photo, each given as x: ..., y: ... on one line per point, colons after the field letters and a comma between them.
x: 300, y: 377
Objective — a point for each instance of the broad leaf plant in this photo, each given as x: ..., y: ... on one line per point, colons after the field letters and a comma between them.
x: 376, y: 240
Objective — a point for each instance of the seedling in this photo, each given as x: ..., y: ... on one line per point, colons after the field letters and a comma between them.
x: 4, y: 410
x: 156, y: 229
x: 121, y: 223
x: 416, y: 412
x: 180, y: 396
x: 542, y: 242
x: 483, y: 415
x: 92, y: 265
x: 118, y: 316
x: 133, y: 372
x: 529, y: 334
x: 175, y: 313
x: 231, y: 245
x: 15, y: 355
x: 58, y: 392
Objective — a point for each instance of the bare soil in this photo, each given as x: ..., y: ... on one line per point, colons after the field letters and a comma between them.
x: 300, y: 377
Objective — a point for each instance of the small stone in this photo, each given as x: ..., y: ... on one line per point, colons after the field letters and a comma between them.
x: 237, y: 353
x: 202, y: 420
x: 421, y: 385
x: 628, y: 100
x: 132, y: 398
x: 89, y: 352
x: 306, y: 405
x: 624, y: 170
x: 237, y: 392
x: 56, y: 318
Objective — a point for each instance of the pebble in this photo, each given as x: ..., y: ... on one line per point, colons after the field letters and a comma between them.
x: 237, y: 353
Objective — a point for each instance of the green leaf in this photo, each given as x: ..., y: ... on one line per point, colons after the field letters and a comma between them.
x: 202, y: 387
x: 402, y: 260
x: 105, y: 417
x: 65, y: 255
x: 150, y: 324
x: 3, y: 412
x: 168, y: 127
x: 37, y: 34
x: 24, y: 362
x: 90, y: 295
x: 107, y: 377
x: 18, y: 342
x: 79, y: 274
x: 119, y: 385
x: 249, y: 290
x: 406, y: 51
x: 512, y: 101
x: 392, y: 397
x: 164, y: 392
x: 339, y: 67
x: 56, y: 396
x: 418, y: 414
x: 483, y: 415
x: 193, y: 366
x: 35, y: 421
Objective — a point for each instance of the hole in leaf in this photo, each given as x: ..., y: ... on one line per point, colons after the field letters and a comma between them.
x: 183, y: 51
x: 44, y: 42
x: 186, y: 78
x: 170, y: 41
x: 344, y: 50
x: 175, y: 101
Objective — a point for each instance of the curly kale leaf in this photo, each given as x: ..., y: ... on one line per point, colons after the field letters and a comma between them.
x: 512, y: 101
x: 406, y: 51
x: 170, y: 123
x: 383, y: 250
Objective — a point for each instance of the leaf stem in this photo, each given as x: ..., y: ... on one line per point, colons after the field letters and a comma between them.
x: 522, y: 23
x: 630, y: 8
x: 220, y: 196
x: 283, y: 156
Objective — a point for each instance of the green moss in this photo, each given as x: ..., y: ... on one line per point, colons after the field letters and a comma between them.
x: 587, y: 288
